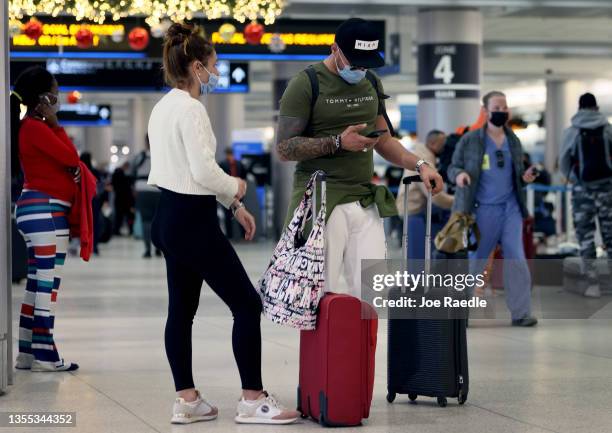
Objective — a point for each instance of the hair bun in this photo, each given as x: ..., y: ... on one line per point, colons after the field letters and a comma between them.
x: 178, y: 32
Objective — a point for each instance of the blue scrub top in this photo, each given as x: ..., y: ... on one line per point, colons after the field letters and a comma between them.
x: 496, y: 184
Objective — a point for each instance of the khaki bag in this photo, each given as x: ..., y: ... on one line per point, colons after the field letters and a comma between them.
x: 458, y: 234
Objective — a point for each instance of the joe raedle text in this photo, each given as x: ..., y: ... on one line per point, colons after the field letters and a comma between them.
x: 424, y: 302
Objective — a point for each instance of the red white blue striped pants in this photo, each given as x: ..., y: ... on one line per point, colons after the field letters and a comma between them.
x: 43, y: 222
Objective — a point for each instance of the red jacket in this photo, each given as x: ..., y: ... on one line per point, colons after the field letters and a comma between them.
x: 48, y: 159
x: 46, y: 156
x: 81, y: 215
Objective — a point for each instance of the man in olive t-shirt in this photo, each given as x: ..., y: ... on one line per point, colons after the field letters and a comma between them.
x: 347, y: 109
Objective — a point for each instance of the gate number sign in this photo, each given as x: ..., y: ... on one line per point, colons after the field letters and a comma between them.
x: 448, y: 71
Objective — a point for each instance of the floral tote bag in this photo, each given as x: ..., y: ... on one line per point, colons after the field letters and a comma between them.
x: 294, y: 282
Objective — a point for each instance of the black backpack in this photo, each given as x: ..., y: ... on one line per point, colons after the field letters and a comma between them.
x: 314, y: 86
x: 446, y: 158
x: 592, y: 157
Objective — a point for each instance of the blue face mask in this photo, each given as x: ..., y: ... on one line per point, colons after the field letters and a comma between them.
x: 350, y: 76
x: 213, y: 81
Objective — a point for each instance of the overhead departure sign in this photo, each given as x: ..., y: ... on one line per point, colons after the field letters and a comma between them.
x: 127, y: 75
x: 84, y: 115
x: 64, y: 35
x: 304, y: 40
x: 448, y: 71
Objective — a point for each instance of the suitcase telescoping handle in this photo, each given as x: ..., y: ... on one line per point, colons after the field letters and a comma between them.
x: 407, y: 181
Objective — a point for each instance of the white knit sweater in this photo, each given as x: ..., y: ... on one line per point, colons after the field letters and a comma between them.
x: 183, y: 149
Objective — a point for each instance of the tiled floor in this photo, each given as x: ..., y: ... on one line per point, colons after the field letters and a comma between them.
x: 553, y: 378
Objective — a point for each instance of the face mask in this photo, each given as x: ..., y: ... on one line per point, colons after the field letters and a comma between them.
x: 350, y: 76
x: 499, y: 118
x: 213, y: 81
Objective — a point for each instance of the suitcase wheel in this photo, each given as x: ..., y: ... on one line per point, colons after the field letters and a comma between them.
x: 462, y: 398
x: 442, y: 402
x: 412, y: 397
x: 391, y: 397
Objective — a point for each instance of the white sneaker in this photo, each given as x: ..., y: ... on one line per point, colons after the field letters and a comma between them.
x: 186, y: 412
x: 60, y: 365
x: 24, y: 361
x: 593, y: 291
x: 265, y: 410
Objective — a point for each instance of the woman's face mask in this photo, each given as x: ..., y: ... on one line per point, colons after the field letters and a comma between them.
x: 348, y: 73
x: 211, y: 85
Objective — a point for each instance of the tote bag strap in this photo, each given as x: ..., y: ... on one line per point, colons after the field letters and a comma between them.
x: 309, y: 200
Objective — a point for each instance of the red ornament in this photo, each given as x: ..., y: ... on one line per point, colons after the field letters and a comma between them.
x: 74, y: 97
x: 33, y: 29
x: 138, y: 38
x: 253, y: 33
x: 84, y: 37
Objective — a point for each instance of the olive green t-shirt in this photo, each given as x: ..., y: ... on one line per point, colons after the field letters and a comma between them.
x: 339, y: 105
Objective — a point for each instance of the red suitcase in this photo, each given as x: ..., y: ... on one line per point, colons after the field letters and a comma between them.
x: 337, y: 362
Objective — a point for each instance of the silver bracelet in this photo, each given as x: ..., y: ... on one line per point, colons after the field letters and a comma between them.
x: 337, y: 142
x: 234, y: 208
x: 418, y: 165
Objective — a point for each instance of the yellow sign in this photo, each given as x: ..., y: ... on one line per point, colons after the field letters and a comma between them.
x: 295, y: 39
x: 63, y: 35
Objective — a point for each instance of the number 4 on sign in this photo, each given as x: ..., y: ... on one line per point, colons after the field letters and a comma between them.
x: 444, y: 70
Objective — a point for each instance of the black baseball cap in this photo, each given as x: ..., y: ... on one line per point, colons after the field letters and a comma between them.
x: 359, y: 41
x: 587, y: 101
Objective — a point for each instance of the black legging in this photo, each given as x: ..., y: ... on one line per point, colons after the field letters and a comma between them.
x: 186, y: 230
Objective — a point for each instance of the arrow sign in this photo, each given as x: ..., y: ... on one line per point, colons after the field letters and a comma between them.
x: 238, y: 75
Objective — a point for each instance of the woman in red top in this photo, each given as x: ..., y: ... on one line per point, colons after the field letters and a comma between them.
x: 50, y: 163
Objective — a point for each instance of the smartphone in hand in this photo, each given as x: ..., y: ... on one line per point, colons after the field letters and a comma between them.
x: 377, y: 133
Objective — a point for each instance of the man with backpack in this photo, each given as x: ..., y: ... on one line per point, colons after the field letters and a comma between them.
x: 332, y: 117
x: 586, y: 160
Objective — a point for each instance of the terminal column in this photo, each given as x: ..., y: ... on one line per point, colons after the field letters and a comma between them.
x: 6, y: 340
x: 449, y: 68
x: 226, y: 112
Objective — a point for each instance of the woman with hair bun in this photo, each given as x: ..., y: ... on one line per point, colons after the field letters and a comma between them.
x: 186, y: 230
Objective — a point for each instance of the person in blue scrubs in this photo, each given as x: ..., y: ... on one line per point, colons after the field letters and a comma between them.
x: 488, y: 170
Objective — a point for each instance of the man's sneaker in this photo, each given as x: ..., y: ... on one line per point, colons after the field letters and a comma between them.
x: 593, y: 291
x: 61, y: 365
x: 525, y: 322
x: 265, y: 410
x: 186, y: 412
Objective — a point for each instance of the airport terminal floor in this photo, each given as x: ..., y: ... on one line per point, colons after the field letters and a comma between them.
x: 556, y: 377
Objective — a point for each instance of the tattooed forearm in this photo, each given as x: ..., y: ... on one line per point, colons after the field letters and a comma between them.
x: 293, y: 147
x: 305, y: 148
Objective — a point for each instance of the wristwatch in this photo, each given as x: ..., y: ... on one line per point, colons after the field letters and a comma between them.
x: 235, y: 206
x: 418, y: 165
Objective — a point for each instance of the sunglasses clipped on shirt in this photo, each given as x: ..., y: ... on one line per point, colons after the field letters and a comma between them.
x: 499, y: 157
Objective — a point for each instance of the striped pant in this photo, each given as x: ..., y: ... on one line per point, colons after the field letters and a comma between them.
x: 43, y: 222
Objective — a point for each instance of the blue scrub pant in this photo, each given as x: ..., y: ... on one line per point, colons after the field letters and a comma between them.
x: 503, y: 224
